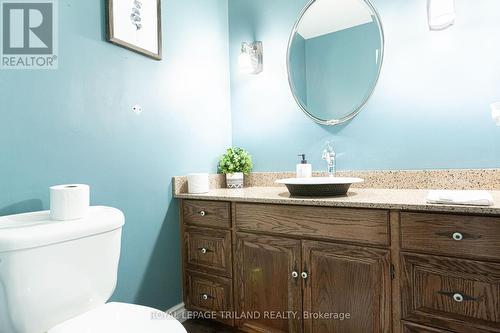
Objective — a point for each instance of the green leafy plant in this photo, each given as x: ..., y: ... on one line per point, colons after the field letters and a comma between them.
x: 235, y: 160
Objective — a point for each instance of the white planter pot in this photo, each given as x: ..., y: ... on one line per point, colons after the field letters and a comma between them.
x: 234, y: 180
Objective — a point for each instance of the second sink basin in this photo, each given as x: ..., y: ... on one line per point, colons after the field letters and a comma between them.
x: 319, y: 186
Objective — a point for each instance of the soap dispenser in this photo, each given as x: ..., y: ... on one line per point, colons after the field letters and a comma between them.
x: 304, y: 170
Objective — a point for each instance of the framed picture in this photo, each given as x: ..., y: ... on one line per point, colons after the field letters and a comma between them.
x: 136, y: 25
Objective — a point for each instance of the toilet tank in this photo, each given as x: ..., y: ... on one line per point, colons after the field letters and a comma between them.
x: 52, y: 271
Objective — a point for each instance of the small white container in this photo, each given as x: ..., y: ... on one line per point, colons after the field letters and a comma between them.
x: 235, y: 180
x: 304, y: 169
x: 198, y: 183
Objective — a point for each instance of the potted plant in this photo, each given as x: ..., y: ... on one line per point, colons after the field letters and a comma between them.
x: 235, y: 163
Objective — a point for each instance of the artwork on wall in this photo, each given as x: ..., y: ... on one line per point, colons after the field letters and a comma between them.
x: 136, y: 25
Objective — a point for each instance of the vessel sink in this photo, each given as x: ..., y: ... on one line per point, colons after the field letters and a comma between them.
x: 319, y: 186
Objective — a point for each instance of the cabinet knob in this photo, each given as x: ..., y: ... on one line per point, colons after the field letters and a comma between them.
x: 458, y: 297
x: 295, y: 274
x: 204, y: 250
x: 202, y: 213
x: 304, y: 275
x: 205, y: 296
x: 457, y: 236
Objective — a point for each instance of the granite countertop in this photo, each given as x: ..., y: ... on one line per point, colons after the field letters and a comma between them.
x: 399, y: 199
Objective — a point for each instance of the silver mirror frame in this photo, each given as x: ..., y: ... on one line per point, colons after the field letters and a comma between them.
x: 333, y: 122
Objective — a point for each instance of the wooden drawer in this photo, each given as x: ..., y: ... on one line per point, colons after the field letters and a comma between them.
x: 459, y: 295
x: 208, y: 250
x: 368, y: 226
x: 208, y: 293
x: 414, y: 328
x: 207, y: 213
x: 476, y: 236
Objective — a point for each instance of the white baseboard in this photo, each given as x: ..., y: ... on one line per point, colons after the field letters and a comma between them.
x: 178, y: 312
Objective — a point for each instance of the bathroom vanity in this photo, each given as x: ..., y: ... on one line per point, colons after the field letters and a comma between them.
x: 384, y: 257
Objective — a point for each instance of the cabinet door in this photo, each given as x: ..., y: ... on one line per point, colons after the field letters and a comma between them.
x: 347, y: 289
x: 268, y: 294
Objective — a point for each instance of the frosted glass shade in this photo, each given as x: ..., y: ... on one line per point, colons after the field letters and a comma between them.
x: 441, y: 14
x: 250, y: 59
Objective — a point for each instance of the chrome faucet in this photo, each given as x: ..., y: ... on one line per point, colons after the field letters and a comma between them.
x: 329, y: 157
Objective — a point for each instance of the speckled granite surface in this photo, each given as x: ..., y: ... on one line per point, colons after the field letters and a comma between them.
x: 357, y: 198
x: 487, y: 179
x: 403, y: 190
x: 476, y: 179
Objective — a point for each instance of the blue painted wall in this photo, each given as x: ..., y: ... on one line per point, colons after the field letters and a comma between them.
x: 75, y: 124
x: 341, y: 68
x: 430, y: 108
x: 298, y: 62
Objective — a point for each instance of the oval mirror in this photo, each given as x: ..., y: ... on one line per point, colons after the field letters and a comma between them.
x: 334, y: 59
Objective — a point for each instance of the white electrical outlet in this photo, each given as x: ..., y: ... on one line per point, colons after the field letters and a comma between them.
x: 137, y: 109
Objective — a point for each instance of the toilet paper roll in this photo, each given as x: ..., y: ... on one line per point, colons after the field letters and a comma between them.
x: 198, y: 183
x: 69, y: 202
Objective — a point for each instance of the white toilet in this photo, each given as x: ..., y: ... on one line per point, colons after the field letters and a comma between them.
x: 56, y: 277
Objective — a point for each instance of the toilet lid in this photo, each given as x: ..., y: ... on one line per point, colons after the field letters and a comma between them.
x: 121, y: 318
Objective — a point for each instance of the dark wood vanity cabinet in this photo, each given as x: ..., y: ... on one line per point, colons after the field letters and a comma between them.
x: 285, y: 268
x: 317, y: 286
x: 267, y: 280
x: 345, y: 279
x: 207, y: 252
x: 332, y: 285
x: 450, y: 276
x: 455, y: 294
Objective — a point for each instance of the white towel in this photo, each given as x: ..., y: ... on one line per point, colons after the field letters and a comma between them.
x: 473, y: 198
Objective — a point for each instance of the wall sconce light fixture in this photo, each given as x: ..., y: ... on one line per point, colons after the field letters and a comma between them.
x: 441, y: 14
x: 251, y: 58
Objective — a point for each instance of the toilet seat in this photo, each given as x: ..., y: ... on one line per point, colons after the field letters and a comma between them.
x: 121, y: 318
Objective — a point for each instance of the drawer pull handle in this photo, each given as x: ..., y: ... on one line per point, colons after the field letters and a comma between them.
x: 204, y: 250
x: 295, y: 274
x: 205, y: 296
x: 304, y: 275
x: 459, y: 298
x: 202, y: 213
x: 457, y: 236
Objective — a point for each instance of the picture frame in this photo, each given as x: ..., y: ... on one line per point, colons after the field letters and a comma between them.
x: 136, y: 26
